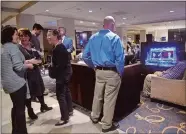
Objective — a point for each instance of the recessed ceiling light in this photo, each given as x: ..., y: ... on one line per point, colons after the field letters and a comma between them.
x: 90, y: 11
x: 81, y: 21
x: 124, y: 18
x: 93, y: 23
x: 170, y: 22
x: 47, y: 10
x: 171, y: 11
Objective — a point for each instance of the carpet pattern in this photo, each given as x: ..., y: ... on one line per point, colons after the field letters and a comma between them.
x: 152, y: 117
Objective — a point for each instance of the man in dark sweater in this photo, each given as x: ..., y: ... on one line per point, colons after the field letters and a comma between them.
x: 62, y: 67
x: 36, y: 31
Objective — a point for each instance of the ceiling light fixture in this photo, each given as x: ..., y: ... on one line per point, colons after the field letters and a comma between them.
x: 81, y: 21
x: 124, y: 18
x: 170, y: 22
x: 47, y: 10
x: 171, y: 11
x: 90, y: 11
x: 93, y: 23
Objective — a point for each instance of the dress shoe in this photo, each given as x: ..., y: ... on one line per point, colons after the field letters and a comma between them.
x: 94, y: 120
x: 112, y: 128
x: 61, y: 122
x: 31, y: 114
x: 45, y: 108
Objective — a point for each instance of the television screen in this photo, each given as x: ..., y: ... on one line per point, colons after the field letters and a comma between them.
x: 82, y: 39
x: 160, y: 55
x: 164, y: 57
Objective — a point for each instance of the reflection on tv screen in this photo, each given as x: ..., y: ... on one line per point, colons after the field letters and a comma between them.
x: 82, y: 39
x: 162, y: 57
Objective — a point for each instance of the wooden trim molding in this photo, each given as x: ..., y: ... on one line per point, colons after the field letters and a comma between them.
x: 29, y: 4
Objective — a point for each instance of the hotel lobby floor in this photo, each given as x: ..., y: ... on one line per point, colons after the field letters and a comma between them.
x: 153, y: 117
x: 150, y: 117
x: 79, y: 122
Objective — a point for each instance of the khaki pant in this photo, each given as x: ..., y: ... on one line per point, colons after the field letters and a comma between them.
x: 106, y: 89
x: 147, y: 84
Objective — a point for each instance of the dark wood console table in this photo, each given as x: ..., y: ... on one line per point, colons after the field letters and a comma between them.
x: 83, y: 82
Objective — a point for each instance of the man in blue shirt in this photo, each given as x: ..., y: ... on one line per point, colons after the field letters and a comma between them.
x: 105, y: 54
x: 68, y: 42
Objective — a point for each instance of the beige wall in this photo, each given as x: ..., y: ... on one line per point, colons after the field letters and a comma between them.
x: 132, y: 36
x: 157, y: 34
x: 161, y: 33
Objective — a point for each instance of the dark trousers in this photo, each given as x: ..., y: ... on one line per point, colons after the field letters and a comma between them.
x: 18, y: 111
x: 41, y: 101
x: 64, y: 98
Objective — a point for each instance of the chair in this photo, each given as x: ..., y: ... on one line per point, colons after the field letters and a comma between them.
x: 173, y: 91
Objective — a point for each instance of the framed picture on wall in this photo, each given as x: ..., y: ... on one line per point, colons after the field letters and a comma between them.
x: 163, y: 38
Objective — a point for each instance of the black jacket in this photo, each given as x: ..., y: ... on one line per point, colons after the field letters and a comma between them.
x: 60, y: 62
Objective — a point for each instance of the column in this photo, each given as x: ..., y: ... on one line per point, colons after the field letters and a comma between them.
x: 25, y: 21
x: 142, y: 35
x: 122, y: 32
x: 69, y: 24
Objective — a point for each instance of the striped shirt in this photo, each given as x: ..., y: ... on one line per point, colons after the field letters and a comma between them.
x: 12, y: 68
x: 175, y: 72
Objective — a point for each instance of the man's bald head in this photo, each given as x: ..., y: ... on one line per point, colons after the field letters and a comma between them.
x: 108, y: 20
x: 109, y: 23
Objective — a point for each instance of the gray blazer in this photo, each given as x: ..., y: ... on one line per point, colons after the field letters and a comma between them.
x: 12, y: 68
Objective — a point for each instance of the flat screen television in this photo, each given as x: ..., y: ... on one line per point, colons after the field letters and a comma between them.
x: 161, y: 55
x: 82, y: 39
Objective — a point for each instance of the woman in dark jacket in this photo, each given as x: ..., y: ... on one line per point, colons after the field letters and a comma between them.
x: 35, y: 81
x: 13, y: 68
x: 61, y: 70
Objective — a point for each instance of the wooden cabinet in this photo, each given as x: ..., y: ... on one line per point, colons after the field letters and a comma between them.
x: 83, y: 83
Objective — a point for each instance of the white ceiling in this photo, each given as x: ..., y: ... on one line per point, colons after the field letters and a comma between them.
x: 135, y: 12
x: 138, y: 14
x: 164, y: 25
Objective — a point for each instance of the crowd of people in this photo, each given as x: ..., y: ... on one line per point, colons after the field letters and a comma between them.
x: 21, y: 76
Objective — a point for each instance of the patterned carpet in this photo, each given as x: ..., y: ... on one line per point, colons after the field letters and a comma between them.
x: 152, y: 117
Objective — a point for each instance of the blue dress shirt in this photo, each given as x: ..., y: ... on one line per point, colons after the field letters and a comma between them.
x: 68, y: 43
x: 105, y: 49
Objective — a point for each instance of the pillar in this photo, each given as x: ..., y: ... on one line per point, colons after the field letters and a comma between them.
x: 142, y: 35
x: 69, y: 24
x: 122, y: 33
x: 25, y: 21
